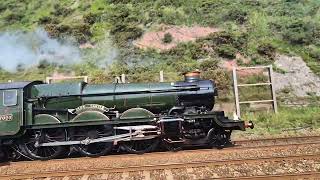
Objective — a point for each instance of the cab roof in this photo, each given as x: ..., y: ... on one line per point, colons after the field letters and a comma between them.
x: 17, y: 85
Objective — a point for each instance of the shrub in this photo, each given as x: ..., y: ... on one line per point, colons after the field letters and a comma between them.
x: 81, y: 32
x: 237, y: 39
x: 125, y: 32
x: 2, y: 7
x: 55, y: 30
x: 260, y: 60
x: 227, y: 51
x: 48, y: 20
x: 300, y: 32
x: 12, y: 17
x: 189, y: 50
x: 237, y: 14
x: 267, y: 49
x: 210, y: 70
x: 61, y: 11
x: 314, y: 52
x: 52, y: 29
x: 167, y: 38
x: 90, y: 18
x: 84, y: 6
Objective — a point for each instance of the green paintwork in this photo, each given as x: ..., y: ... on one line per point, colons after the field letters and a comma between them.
x: 136, y: 113
x: 52, y: 105
x: 11, y: 127
x: 120, y: 96
x: 58, y: 89
x: 87, y: 116
x: 45, y: 119
x: 137, y: 97
x: 131, y: 96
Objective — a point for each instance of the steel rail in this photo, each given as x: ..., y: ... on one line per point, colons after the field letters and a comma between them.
x: 194, y: 164
x: 278, y: 176
x: 279, y: 141
x: 281, y: 138
x: 238, y: 146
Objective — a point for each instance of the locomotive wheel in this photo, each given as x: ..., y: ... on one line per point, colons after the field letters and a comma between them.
x: 43, y: 136
x: 219, y: 138
x: 141, y: 146
x: 95, y: 149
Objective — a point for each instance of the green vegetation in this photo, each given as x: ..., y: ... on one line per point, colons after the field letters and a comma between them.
x: 288, y: 119
x: 255, y: 28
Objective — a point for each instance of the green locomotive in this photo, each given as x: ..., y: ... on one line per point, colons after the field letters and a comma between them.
x: 44, y: 121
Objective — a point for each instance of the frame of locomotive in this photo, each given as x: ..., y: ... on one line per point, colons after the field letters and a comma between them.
x: 43, y: 121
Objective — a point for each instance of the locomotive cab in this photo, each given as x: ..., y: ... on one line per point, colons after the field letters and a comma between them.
x: 12, y: 107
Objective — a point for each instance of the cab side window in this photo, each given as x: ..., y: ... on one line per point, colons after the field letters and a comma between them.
x: 10, y: 98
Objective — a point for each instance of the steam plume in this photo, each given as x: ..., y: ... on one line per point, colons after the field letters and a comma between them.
x: 31, y: 47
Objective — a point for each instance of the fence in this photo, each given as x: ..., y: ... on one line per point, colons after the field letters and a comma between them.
x: 270, y: 83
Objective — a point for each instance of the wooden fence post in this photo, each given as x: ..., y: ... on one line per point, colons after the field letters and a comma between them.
x: 161, y: 76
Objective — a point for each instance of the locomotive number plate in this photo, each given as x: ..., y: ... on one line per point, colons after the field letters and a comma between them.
x: 6, y: 117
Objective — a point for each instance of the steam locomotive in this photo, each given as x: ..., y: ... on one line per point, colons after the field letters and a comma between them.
x: 43, y: 121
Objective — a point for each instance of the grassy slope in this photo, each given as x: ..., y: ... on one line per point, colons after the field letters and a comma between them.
x: 255, y: 28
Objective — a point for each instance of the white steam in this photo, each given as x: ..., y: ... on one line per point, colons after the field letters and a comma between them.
x: 28, y: 49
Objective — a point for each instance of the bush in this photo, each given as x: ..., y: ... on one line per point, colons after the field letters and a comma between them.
x: 53, y: 30
x: 189, y: 50
x: 300, y: 32
x: 260, y: 60
x: 81, y: 32
x: 314, y: 52
x: 171, y: 15
x: 125, y: 32
x: 90, y: 18
x: 3, y: 7
x: 167, y: 38
x: 211, y: 70
x: 227, y: 51
x: 61, y: 11
x: 12, y: 17
x: 237, y: 14
x: 48, y: 20
x: 237, y: 40
x: 267, y: 49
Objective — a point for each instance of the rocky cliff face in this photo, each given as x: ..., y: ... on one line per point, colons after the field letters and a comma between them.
x: 296, y: 77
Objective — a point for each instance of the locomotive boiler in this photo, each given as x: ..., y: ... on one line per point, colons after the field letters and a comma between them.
x: 45, y: 121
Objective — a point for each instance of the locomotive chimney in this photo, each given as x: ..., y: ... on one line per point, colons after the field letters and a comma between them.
x: 192, y: 76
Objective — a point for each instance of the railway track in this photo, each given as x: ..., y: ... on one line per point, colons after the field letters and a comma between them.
x: 276, y: 141
x: 310, y: 175
x: 171, y: 170
x: 163, y: 165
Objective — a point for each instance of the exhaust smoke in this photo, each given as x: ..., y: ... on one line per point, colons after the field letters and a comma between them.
x: 27, y: 49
